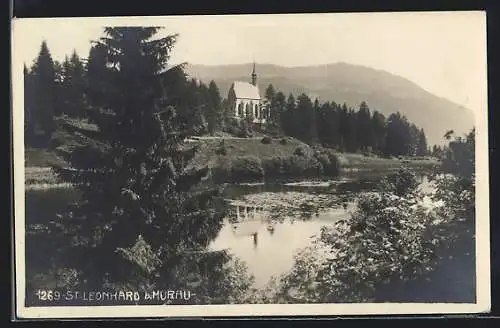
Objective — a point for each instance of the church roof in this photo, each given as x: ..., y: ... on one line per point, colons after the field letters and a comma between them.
x: 246, y: 90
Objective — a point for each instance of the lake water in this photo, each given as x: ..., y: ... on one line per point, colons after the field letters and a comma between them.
x: 269, y: 223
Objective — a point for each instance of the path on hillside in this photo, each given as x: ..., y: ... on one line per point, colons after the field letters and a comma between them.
x: 217, y: 138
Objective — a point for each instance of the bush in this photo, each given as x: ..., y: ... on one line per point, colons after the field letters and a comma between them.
x: 221, y: 150
x: 266, y: 140
x: 273, y: 167
x: 400, y: 183
x: 246, y: 168
x: 329, y: 162
x: 300, y: 151
x: 301, y: 166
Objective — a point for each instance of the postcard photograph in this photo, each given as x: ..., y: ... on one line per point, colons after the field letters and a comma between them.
x: 251, y: 165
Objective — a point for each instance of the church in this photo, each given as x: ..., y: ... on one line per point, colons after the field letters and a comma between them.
x: 245, y: 100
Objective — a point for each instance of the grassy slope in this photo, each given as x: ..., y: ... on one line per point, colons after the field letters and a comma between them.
x: 255, y: 148
x: 38, y: 160
x: 235, y: 148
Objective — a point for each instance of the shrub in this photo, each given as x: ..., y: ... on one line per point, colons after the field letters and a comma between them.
x: 400, y: 183
x: 300, y: 151
x: 301, y: 166
x: 246, y: 168
x: 221, y: 149
x: 266, y: 140
x: 273, y: 167
x: 329, y: 161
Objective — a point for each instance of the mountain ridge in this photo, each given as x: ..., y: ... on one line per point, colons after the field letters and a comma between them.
x: 348, y: 83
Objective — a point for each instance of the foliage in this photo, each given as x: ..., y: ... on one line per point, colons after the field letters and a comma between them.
x: 459, y: 157
x: 328, y: 160
x: 394, y: 247
x: 266, y: 140
x: 72, y: 87
x: 247, y: 168
x: 40, y: 98
x: 221, y: 150
x: 132, y: 176
x: 340, y: 127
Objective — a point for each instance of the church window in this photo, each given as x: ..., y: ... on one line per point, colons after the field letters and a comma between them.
x: 247, y: 110
x: 240, y: 109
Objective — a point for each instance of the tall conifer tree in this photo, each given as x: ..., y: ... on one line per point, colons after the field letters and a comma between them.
x: 142, y: 207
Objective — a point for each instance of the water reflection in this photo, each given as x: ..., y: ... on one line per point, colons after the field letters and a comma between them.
x: 268, y: 223
x: 265, y: 226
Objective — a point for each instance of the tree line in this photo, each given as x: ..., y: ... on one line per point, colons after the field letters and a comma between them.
x: 71, y: 87
x: 343, y: 128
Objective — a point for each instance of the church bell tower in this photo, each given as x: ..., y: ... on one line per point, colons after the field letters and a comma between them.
x: 254, y: 75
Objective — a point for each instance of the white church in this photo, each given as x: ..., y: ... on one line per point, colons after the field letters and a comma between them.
x: 245, y: 99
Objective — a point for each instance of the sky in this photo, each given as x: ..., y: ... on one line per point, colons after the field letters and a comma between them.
x: 443, y: 52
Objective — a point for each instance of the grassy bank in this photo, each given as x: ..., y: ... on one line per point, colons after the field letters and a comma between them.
x: 233, y: 160
x: 230, y: 159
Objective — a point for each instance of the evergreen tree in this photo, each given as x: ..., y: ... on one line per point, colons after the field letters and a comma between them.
x: 277, y: 112
x: 305, y: 120
x: 288, y: 115
x: 44, y: 91
x: 323, y: 123
x: 270, y: 93
x: 422, y: 144
x: 28, y: 105
x: 333, y: 120
x: 352, y: 142
x: 344, y: 127
x: 97, y: 76
x: 414, y: 140
x: 364, y: 127
x: 142, y: 208
x: 58, y: 88
x: 75, y: 86
x: 398, y: 136
x: 214, y: 113
x: 378, y: 130
x: 271, y: 105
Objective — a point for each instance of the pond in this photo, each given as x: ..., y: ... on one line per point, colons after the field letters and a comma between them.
x: 268, y: 223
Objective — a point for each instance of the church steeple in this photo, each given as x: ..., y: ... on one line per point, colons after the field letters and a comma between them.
x: 254, y: 75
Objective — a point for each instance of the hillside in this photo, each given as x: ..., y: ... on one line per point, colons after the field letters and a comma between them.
x: 230, y: 159
x: 352, y: 84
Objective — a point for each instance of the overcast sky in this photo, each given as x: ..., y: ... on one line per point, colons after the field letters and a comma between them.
x: 445, y: 53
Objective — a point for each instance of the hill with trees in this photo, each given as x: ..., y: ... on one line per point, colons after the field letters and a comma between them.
x: 352, y: 84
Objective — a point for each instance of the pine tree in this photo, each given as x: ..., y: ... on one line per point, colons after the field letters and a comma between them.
x: 58, y: 88
x: 75, y: 86
x: 305, y: 120
x: 352, y: 140
x: 344, y: 127
x: 363, y: 127
x: 97, y: 76
x: 44, y: 91
x: 270, y: 93
x: 288, y: 115
x: 214, y: 113
x: 28, y: 105
x: 422, y: 144
x: 142, y: 209
x: 277, y: 113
